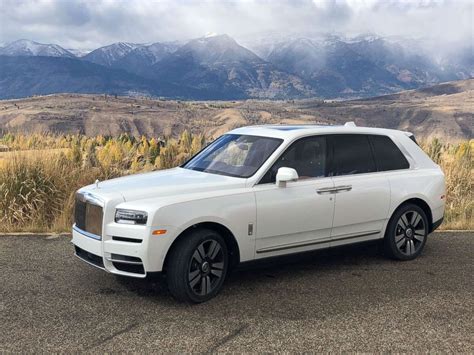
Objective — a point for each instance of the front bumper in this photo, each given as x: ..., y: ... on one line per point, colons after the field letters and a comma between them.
x: 117, y: 257
x: 123, y: 250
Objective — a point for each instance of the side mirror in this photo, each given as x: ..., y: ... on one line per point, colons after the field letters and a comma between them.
x: 284, y: 175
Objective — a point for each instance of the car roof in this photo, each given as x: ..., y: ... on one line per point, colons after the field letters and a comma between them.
x: 295, y: 131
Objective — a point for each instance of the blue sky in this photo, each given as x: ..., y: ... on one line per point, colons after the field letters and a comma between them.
x: 91, y: 23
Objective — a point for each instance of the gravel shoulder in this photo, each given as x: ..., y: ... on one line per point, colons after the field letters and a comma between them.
x: 346, y: 299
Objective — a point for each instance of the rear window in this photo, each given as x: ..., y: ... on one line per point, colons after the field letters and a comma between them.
x: 387, y: 154
x: 352, y: 154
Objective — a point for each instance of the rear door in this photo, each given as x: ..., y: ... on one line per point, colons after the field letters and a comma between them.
x: 362, y: 195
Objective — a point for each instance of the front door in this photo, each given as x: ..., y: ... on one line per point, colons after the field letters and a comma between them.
x: 297, y: 217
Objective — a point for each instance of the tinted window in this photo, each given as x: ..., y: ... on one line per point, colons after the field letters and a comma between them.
x: 234, y: 155
x: 352, y: 154
x: 387, y: 154
x: 307, y: 156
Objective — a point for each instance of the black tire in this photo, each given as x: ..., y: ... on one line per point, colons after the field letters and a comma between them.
x: 194, y: 274
x: 407, y: 232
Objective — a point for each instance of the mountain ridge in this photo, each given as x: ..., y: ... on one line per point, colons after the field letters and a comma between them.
x: 108, y: 55
x: 24, y: 47
x: 218, y: 67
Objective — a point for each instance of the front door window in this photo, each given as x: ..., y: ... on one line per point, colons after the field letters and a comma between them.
x: 307, y: 156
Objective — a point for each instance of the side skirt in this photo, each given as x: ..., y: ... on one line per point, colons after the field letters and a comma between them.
x: 317, y: 242
x: 280, y: 259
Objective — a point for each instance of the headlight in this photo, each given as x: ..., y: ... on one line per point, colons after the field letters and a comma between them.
x: 130, y: 217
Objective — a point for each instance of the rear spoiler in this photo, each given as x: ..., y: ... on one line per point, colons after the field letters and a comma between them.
x: 411, y: 136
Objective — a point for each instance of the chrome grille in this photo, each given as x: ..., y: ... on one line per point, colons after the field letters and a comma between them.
x: 88, y: 216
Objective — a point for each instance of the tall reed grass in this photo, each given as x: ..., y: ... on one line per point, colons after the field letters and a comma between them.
x: 456, y: 161
x: 39, y: 176
x: 38, y: 182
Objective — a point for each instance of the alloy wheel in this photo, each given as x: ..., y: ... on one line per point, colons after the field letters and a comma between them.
x: 206, y: 268
x: 410, y: 233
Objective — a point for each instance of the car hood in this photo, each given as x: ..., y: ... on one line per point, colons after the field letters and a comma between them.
x: 161, y: 183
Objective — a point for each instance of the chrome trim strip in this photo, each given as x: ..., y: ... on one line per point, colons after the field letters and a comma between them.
x: 292, y: 246
x: 88, y: 262
x: 124, y: 261
x: 90, y: 198
x: 350, y: 236
x: 86, y: 234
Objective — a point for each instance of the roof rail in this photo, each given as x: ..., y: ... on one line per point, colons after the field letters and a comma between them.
x: 350, y: 124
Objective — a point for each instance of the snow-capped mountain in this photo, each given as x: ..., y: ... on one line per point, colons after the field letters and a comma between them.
x: 216, y: 66
x: 217, y: 48
x: 140, y: 59
x: 24, y: 47
x: 365, y: 65
x: 108, y: 55
x: 301, y: 56
x: 79, y: 52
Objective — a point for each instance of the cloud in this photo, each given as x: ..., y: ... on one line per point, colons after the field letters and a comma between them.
x: 93, y: 23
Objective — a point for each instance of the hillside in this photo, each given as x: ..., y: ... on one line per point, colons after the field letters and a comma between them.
x: 30, y: 75
x: 445, y: 110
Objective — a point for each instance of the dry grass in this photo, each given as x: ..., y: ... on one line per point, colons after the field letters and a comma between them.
x: 39, y: 177
x: 456, y: 160
x: 37, y: 191
x: 27, y: 154
x: 37, y: 185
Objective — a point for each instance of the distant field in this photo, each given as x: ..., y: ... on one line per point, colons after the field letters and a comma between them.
x: 444, y: 111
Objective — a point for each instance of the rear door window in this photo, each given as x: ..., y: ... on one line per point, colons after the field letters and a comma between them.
x: 351, y: 154
x: 387, y: 154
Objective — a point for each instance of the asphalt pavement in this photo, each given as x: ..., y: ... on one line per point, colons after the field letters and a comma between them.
x: 349, y: 299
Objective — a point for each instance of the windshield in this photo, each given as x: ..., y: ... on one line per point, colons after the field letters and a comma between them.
x: 234, y: 155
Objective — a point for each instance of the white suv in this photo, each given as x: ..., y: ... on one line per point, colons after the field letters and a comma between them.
x: 260, y: 192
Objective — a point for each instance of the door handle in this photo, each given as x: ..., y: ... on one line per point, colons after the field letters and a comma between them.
x: 334, y: 190
x: 343, y: 188
x: 326, y: 190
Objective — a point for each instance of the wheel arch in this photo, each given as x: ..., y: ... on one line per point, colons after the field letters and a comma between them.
x: 225, y: 232
x: 423, y: 205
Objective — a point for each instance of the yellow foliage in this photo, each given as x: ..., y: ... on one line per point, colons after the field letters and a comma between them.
x: 29, y: 182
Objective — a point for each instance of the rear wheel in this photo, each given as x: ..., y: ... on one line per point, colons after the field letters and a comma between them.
x: 197, y: 266
x: 406, y: 233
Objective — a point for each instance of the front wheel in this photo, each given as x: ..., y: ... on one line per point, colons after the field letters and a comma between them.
x: 406, y: 233
x: 197, y: 266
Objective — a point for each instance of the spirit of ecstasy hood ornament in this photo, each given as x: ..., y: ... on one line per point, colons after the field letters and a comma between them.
x: 97, y: 184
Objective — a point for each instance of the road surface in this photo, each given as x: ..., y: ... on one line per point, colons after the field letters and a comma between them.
x: 349, y: 299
